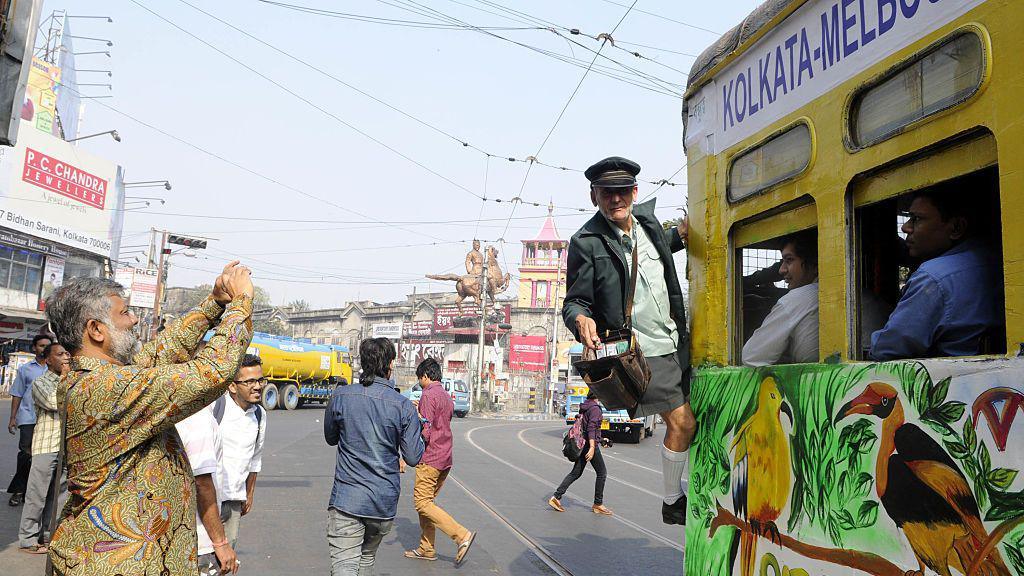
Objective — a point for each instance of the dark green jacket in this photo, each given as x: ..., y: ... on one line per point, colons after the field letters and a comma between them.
x: 598, y: 279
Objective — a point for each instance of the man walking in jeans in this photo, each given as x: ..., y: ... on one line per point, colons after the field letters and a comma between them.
x: 23, y: 416
x: 373, y: 426
x: 436, y: 411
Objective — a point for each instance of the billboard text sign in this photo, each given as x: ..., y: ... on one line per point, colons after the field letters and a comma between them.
x: 52, y: 190
x: 527, y: 353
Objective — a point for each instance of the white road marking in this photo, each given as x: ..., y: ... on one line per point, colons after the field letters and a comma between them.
x: 527, y: 473
x: 562, y: 458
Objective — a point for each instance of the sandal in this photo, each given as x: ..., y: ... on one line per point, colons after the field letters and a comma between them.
x: 464, y: 548
x: 416, y: 554
x: 35, y: 549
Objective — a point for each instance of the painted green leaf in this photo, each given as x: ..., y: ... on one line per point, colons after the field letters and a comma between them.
x: 931, y: 420
x: 1002, y: 478
x: 923, y: 397
x: 845, y: 520
x: 957, y: 449
x: 796, y: 508
x: 843, y: 484
x: 983, y: 456
x: 939, y: 392
x: 981, y: 493
x: 970, y: 436
x: 1005, y: 505
x: 867, y: 515
x: 951, y: 412
x: 863, y: 484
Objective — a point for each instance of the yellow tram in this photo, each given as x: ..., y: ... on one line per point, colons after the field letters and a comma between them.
x: 824, y: 117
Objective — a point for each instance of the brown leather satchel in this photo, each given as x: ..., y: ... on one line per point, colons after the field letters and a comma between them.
x: 619, y: 380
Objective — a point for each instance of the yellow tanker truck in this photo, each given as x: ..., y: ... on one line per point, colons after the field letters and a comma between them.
x: 298, y: 372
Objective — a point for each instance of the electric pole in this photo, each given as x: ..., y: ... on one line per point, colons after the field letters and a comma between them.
x: 161, y: 279
x: 483, y: 325
x: 553, y: 365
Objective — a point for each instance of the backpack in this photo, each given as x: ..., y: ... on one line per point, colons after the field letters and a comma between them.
x: 218, y: 412
x: 574, y: 439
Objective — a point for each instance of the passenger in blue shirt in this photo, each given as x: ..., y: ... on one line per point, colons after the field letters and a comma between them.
x: 23, y: 417
x: 373, y: 426
x: 955, y: 297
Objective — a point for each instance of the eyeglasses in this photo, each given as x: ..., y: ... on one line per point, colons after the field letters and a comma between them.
x: 251, y: 381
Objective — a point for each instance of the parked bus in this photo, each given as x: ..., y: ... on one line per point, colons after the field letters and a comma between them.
x: 826, y: 116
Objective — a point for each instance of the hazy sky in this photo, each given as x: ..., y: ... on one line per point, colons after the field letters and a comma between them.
x: 328, y: 214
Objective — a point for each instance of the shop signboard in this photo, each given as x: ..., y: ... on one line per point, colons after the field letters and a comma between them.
x: 527, y: 353
x: 40, y: 108
x: 446, y: 317
x: 412, y: 352
x: 418, y: 329
x: 144, y: 288
x: 51, y: 189
x: 53, y: 277
x: 389, y: 330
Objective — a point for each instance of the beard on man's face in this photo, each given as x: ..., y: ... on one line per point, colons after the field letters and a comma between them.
x: 124, y: 344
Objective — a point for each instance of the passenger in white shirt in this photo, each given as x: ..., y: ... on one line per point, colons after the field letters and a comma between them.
x: 243, y: 430
x: 200, y: 437
x: 789, y: 334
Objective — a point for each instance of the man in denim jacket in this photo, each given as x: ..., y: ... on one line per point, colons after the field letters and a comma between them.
x: 373, y: 426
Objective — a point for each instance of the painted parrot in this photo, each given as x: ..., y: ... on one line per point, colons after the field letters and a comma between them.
x: 923, y: 490
x: 761, y: 471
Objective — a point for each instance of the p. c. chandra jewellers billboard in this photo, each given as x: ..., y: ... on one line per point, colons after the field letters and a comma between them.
x: 53, y: 190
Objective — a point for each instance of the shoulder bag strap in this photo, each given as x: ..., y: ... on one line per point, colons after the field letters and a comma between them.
x: 632, y: 289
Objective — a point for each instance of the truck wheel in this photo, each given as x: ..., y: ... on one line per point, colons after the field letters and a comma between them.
x: 289, y: 397
x: 269, y: 397
x: 635, y: 435
x: 460, y: 414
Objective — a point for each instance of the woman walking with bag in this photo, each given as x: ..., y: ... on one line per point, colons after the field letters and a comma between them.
x: 591, y: 413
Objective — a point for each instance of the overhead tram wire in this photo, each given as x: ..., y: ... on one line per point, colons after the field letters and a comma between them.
x: 404, y: 5
x: 380, y: 101
x: 245, y: 169
x: 307, y: 101
x: 667, y: 19
x: 523, y: 17
x: 383, y: 21
x: 553, y: 29
x: 660, y: 186
x: 562, y: 114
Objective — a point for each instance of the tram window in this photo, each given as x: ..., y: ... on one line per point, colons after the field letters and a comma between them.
x: 779, y: 300
x: 779, y: 158
x: 938, y: 79
x: 886, y: 263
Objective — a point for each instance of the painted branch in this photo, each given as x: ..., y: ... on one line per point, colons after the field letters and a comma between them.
x: 863, y: 561
x: 993, y: 539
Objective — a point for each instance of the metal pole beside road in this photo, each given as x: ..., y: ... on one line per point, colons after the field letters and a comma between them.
x: 483, y: 325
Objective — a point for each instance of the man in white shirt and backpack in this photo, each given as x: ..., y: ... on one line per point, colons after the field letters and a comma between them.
x: 243, y: 428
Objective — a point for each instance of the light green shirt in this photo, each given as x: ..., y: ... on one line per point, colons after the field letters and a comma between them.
x: 652, y: 319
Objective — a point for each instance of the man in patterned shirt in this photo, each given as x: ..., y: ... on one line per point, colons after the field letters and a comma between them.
x: 33, y: 531
x: 132, y: 506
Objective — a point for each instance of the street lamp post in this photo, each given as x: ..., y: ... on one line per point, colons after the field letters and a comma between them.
x: 113, y: 134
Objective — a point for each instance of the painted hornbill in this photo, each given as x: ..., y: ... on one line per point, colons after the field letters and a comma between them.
x: 761, y: 471
x: 923, y: 490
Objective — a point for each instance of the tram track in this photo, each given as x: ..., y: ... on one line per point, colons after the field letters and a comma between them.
x: 629, y: 523
x: 531, y: 544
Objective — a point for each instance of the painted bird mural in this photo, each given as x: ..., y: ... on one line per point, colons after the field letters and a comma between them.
x: 923, y: 490
x: 761, y: 471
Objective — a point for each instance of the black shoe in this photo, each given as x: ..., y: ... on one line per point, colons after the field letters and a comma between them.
x: 674, y: 513
x: 16, y: 499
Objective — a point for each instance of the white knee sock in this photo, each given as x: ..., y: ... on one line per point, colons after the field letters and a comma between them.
x: 673, y: 470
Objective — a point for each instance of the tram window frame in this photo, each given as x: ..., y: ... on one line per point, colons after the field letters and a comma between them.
x: 764, y: 148
x: 765, y: 234
x: 922, y: 113
x: 890, y: 268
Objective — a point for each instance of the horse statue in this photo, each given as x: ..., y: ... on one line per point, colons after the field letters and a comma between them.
x: 468, y: 285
